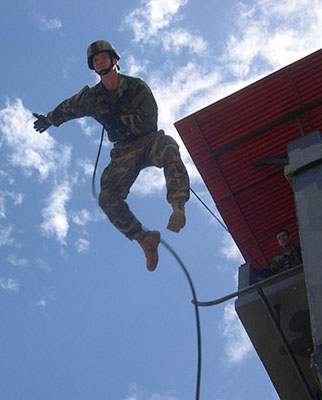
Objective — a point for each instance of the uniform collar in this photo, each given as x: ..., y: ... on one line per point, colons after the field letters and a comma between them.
x: 123, y: 84
x: 117, y: 93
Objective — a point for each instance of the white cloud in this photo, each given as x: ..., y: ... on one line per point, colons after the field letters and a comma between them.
x: 257, y: 36
x: 151, y: 23
x: 44, y: 301
x: 176, y: 39
x: 9, y: 285
x: 138, y: 393
x: 27, y: 148
x: 16, y: 197
x: 273, y: 33
x: 205, y: 198
x: 81, y: 217
x: 238, y: 345
x: 55, y: 215
x: 2, y: 206
x: 86, y: 127
x: 150, y: 180
x: 47, y: 24
x: 133, y: 67
x: 229, y: 249
x: 176, y: 92
x: 41, y: 302
x: 5, y: 236
x: 50, y: 24
x: 153, y: 15
x: 86, y: 165
x: 82, y: 245
x: 16, y: 261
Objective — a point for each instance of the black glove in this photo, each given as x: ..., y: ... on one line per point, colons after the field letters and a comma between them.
x: 42, y: 124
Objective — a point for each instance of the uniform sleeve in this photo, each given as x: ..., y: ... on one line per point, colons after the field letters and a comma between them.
x: 295, y: 257
x: 145, y: 117
x: 276, y: 265
x: 77, y: 106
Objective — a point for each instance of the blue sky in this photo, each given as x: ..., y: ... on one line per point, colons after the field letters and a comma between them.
x: 81, y: 317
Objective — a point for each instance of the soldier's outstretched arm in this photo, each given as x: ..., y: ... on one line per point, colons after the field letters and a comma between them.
x: 41, y: 124
x: 80, y: 105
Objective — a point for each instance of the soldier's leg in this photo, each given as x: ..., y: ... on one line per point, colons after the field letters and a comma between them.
x: 165, y: 153
x: 177, y: 182
x: 116, y: 181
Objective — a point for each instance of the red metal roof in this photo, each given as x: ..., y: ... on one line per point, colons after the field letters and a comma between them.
x: 226, y: 138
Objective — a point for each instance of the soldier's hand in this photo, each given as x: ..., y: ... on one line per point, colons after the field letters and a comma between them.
x: 41, y: 124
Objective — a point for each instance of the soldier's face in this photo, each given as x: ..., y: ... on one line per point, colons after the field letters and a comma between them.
x: 283, y: 239
x: 101, y: 61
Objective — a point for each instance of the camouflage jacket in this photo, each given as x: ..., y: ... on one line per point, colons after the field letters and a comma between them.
x: 128, y: 111
x: 285, y: 261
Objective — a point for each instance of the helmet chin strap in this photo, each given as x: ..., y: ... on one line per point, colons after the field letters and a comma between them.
x: 109, y: 69
x: 105, y: 71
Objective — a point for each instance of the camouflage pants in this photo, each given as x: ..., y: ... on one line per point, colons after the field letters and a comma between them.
x: 127, y: 160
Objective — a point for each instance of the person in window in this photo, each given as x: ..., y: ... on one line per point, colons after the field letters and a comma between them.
x: 289, y: 258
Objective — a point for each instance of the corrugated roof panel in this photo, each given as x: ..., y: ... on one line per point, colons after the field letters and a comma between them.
x: 307, y: 89
x: 237, y: 164
x: 226, y: 138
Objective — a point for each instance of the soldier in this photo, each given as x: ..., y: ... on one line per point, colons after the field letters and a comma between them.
x: 291, y: 256
x: 126, y: 107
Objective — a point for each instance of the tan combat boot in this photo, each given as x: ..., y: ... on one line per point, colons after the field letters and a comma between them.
x: 177, y: 219
x: 149, y: 241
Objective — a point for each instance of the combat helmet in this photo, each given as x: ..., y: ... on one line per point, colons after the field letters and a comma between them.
x: 97, y: 47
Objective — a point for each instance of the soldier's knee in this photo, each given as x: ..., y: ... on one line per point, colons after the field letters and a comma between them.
x: 106, y: 200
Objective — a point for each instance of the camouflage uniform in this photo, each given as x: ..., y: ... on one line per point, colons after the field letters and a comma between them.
x: 129, y: 115
x: 285, y: 261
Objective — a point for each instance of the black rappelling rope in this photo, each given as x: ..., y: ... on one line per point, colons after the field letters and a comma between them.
x: 95, y: 168
x: 168, y: 247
